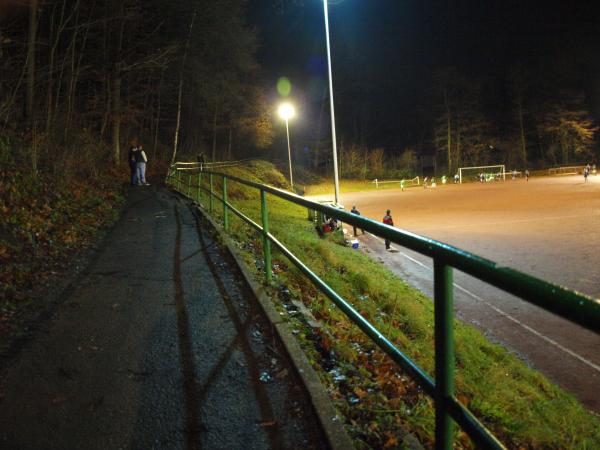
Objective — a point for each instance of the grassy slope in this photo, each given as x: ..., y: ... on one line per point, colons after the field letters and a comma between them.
x: 521, y: 406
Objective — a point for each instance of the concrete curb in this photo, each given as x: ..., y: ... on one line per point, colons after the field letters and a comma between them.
x: 331, y: 422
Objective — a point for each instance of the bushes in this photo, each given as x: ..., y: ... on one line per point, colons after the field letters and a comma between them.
x: 45, y: 217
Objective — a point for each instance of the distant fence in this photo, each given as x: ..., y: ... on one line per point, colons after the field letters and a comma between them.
x: 197, y: 165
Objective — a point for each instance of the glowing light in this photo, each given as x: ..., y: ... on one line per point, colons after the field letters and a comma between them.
x: 286, y: 111
x: 284, y: 87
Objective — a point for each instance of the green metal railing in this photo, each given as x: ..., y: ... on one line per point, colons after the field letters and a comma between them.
x: 571, y: 305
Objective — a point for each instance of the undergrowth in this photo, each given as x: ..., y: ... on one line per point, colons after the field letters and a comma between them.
x: 519, y: 405
x: 45, y: 219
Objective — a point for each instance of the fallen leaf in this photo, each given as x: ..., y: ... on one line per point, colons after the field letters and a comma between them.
x: 281, y: 374
x: 59, y: 399
x: 392, y: 441
x: 268, y: 423
x: 360, y: 393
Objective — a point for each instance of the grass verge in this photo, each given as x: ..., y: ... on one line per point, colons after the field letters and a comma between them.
x: 378, y: 400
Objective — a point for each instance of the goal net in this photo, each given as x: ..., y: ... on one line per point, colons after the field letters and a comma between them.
x: 408, y: 183
x: 566, y: 170
x: 481, y: 173
x: 403, y: 182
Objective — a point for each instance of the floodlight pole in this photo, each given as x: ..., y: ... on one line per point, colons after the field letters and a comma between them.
x: 333, y: 138
x: 287, y: 132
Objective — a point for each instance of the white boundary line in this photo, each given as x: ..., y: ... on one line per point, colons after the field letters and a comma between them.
x: 507, y: 222
x: 509, y: 317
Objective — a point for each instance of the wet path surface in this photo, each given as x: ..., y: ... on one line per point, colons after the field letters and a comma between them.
x: 159, y: 346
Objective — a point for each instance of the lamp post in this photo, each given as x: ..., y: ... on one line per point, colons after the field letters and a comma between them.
x: 286, y: 112
x: 333, y: 138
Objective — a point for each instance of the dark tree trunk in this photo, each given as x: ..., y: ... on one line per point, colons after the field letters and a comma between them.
x: 116, y: 93
x: 214, y: 143
x: 31, y: 41
x: 179, y: 96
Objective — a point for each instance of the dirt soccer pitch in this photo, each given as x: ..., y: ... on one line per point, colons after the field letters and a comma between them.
x: 547, y: 227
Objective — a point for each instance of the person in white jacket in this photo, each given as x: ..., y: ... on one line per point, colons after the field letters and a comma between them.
x: 140, y: 164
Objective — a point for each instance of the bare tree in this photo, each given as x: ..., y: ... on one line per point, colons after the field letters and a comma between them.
x: 180, y: 90
x: 517, y: 86
x: 116, y: 91
x: 31, y: 45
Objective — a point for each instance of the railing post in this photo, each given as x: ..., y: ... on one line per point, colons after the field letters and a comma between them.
x: 189, y: 184
x: 210, y: 197
x: 225, y: 209
x: 199, y: 186
x: 266, y: 243
x: 178, y: 179
x: 444, y: 352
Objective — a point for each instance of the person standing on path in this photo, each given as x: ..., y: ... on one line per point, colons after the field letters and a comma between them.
x: 355, y: 211
x: 387, y: 219
x: 526, y: 174
x: 140, y: 165
x: 131, y: 160
x: 586, y: 172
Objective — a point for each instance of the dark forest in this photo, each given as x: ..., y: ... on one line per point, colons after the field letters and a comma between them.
x: 80, y: 79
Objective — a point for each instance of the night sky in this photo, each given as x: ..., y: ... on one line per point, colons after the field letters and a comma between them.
x: 386, y: 52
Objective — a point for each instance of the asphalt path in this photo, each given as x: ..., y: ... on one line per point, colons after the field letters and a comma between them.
x: 547, y: 227
x: 159, y: 346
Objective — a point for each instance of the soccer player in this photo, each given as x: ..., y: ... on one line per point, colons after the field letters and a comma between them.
x: 387, y: 219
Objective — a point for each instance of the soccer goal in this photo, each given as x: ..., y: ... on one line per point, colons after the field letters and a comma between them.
x: 566, y: 170
x: 489, y: 173
x: 403, y: 183
x: 409, y: 183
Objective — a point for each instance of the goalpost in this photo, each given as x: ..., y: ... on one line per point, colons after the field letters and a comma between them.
x: 566, y: 170
x: 403, y: 182
x: 489, y: 172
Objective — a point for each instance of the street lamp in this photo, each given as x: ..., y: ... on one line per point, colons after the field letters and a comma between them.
x: 286, y: 112
x: 333, y: 139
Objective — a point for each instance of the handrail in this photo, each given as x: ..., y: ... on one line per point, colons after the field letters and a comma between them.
x: 195, y: 165
x: 576, y: 307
